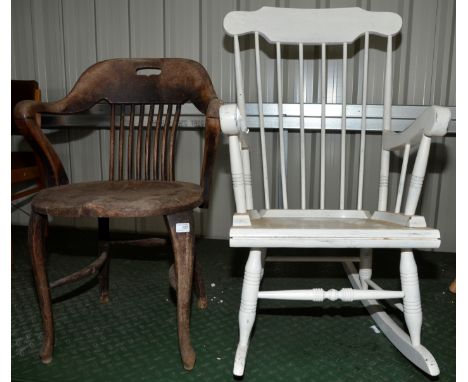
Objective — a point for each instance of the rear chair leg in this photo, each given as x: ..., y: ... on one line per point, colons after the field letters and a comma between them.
x: 248, y: 307
x: 412, y: 300
x: 36, y: 241
x: 103, y: 243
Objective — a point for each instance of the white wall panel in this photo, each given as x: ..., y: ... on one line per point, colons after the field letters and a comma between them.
x: 146, y: 28
x: 54, y: 41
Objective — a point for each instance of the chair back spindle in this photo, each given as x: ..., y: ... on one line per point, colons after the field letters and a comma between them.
x: 343, y: 130
x: 323, y: 126
x: 387, y: 119
x: 301, y: 123
x: 155, y: 149
x: 362, y: 146
x: 262, y: 123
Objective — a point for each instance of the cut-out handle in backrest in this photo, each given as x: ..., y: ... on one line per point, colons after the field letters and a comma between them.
x: 324, y: 27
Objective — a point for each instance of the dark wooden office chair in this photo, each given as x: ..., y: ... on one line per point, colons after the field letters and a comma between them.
x: 141, y: 171
x: 27, y: 174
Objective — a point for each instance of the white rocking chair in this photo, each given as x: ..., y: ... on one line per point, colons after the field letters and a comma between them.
x: 259, y: 229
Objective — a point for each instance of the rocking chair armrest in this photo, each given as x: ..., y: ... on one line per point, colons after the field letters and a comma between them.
x: 28, y: 120
x: 230, y: 118
x: 433, y: 122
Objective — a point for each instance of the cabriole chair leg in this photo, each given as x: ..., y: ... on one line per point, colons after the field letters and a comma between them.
x: 248, y: 307
x: 412, y: 300
x: 183, y: 246
x: 37, y: 232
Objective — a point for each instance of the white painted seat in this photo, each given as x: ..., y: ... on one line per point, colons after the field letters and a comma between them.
x: 330, y: 229
x: 262, y: 228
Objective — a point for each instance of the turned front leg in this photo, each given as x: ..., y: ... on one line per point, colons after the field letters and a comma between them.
x: 36, y: 242
x: 181, y: 230
x: 412, y: 300
x: 248, y: 307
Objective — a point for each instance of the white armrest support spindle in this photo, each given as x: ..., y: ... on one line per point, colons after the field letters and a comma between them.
x: 237, y: 174
x: 247, y: 178
x: 319, y: 295
x: 401, y: 183
x: 229, y: 118
x: 417, y: 177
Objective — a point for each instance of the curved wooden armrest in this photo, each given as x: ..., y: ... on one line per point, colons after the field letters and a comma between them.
x: 432, y: 123
x: 27, y: 118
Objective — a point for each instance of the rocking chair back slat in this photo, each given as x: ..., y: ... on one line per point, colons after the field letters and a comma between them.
x: 362, y: 148
x: 323, y: 126
x: 387, y: 117
x: 262, y: 123
x: 279, y: 77
x: 239, y: 83
x: 301, y: 101
x: 343, y: 130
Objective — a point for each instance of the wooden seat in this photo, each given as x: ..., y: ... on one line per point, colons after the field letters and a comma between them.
x: 276, y: 224
x: 144, y: 99
x: 104, y: 199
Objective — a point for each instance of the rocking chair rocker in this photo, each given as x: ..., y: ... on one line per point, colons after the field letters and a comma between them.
x: 259, y: 229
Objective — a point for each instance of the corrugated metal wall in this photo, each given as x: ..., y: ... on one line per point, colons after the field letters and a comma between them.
x: 53, y: 41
